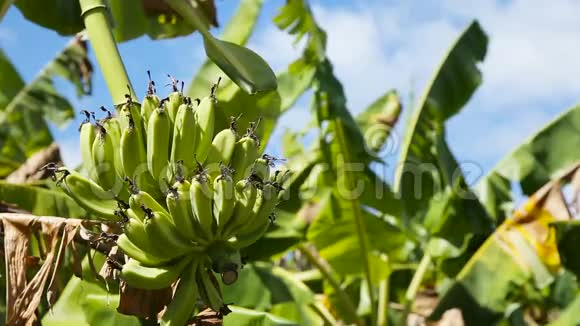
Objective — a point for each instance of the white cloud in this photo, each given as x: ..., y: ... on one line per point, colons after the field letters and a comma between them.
x: 533, y: 51
x: 529, y: 73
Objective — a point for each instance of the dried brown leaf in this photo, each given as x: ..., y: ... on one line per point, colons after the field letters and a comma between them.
x: 23, y: 297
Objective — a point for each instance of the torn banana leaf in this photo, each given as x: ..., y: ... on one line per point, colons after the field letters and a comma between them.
x: 521, y: 255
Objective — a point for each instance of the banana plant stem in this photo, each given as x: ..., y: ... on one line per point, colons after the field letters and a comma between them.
x: 327, y: 274
x: 416, y: 282
x: 383, y: 314
x: 95, y: 16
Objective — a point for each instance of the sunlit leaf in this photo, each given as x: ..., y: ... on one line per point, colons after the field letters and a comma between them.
x: 242, y: 316
x: 238, y: 31
x: 426, y: 164
x: 25, y: 113
x: 40, y: 201
x: 242, y: 65
x: 333, y: 234
x: 526, y: 249
x: 533, y: 163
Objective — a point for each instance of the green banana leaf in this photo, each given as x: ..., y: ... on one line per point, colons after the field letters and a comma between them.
x: 270, y: 285
x: 525, y: 249
x: 435, y: 197
x: 40, y: 201
x: 234, y: 101
x: 242, y: 316
x: 87, y: 302
x: 426, y: 165
x: 570, y: 316
x: 533, y: 163
x: 238, y: 31
x: 332, y: 232
x: 26, y: 110
x: 568, y: 237
x: 274, y: 290
x: 130, y: 18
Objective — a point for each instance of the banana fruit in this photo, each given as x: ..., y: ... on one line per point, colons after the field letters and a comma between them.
x: 158, y: 142
x: 189, y: 196
x: 152, y: 278
x: 182, y: 306
x: 184, y: 133
x: 205, y: 117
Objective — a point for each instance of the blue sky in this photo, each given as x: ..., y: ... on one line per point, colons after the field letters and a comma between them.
x: 529, y: 73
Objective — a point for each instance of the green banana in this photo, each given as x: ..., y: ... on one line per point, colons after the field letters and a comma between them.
x: 158, y: 142
x: 205, y: 117
x: 209, y: 289
x: 131, y: 110
x: 267, y: 199
x: 158, y: 226
x: 103, y: 158
x: 262, y: 167
x: 184, y: 133
x: 89, y: 195
x: 246, y: 193
x: 182, y: 306
x: 146, y: 258
x: 87, y: 137
x: 174, y: 100
x: 150, y: 102
x: 140, y: 199
x: 152, y: 278
x: 255, y: 227
x: 134, y: 229
x: 201, y: 194
x: 113, y: 130
x: 245, y: 153
x: 134, y: 159
x: 223, y: 198
x: 132, y: 149
x: 222, y: 146
x: 179, y: 205
x: 252, y: 235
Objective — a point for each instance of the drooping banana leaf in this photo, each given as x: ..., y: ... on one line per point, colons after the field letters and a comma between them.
x: 533, y: 163
x: 26, y: 110
x: 518, y: 259
x: 238, y: 31
x: 40, y: 201
x: 130, y: 18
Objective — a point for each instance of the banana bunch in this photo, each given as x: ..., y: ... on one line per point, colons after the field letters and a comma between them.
x: 189, y: 197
